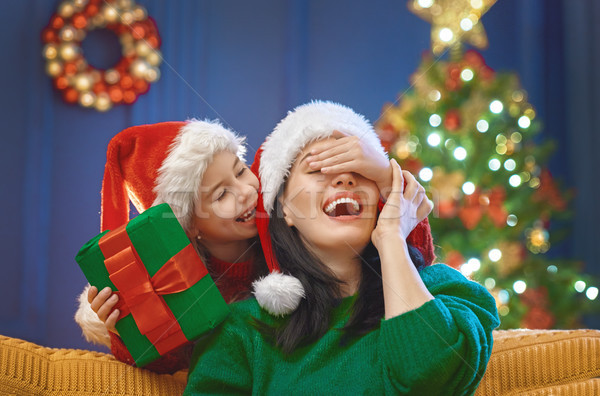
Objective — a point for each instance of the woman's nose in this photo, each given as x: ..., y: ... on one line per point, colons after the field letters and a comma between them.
x: 344, y: 180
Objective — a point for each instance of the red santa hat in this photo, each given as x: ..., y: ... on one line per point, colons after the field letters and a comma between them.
x: 278, y: 293
x: 149, y: 165
x: 158, y: 163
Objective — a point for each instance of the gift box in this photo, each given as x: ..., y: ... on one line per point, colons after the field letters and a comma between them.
x: 166, y: 296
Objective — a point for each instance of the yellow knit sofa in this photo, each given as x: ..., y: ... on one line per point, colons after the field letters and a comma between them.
x: 531, y: 362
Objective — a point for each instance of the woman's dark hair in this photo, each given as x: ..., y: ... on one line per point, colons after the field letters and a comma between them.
x: 322, y: 289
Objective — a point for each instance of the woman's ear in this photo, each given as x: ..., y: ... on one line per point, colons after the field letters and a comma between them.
x: 286, y: 216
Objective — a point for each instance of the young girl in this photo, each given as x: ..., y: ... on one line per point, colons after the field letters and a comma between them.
x: 362, y: 317
x: 198, y: 168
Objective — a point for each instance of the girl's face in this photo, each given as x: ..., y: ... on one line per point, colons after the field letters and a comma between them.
x: 226, y: 205
x: 330, y: 211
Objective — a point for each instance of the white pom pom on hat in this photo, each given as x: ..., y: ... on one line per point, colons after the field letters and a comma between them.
x: 278, y: 294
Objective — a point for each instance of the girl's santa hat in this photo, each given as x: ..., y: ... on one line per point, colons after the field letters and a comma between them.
x: 158, y: 163
x: 149, y: 165
x: 278, y: 293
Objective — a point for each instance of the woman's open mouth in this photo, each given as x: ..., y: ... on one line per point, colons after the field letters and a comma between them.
x: 343, y: 205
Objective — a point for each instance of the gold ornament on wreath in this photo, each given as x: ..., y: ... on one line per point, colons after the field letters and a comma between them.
x: 91, y: 87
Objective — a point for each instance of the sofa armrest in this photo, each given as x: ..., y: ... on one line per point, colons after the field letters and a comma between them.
x: 27, y: 368
x: 535, y: 361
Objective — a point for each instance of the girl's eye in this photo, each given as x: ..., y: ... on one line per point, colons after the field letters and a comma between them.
x: 241, y: 172
x: 221, y: 195
x: 315, y: 171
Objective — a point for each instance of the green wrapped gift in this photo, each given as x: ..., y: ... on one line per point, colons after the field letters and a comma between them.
x: 166, y: 296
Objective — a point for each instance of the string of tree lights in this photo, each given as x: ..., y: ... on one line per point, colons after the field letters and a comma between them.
x: 468, y: 133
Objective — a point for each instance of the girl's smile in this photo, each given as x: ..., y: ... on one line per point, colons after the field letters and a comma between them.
x: 226, y: 205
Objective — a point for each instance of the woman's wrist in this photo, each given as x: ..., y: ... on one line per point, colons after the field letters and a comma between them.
x: 403, y: 288
x: 383, y: 239
x: 385, y: 184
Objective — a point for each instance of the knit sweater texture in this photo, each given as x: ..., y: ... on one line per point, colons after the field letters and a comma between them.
x: 440, y: 348
x: 233, y: 281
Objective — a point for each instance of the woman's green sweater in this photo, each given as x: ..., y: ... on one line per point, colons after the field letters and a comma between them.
x: 440, y: 348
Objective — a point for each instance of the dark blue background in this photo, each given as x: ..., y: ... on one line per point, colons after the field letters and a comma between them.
x: 247, y: 63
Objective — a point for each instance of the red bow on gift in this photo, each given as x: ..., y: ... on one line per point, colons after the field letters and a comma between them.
x: 140, y: 295
x: 477, y: 204
x: 548, y: 192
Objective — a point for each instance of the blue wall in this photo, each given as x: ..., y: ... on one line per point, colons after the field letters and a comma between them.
x: 245, y: 62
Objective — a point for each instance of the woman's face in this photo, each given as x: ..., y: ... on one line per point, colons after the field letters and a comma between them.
x: 330, y: 211
x: 226, y: 205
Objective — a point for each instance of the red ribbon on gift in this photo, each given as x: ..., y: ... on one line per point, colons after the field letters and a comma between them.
x: 140, y: 295
x: 477, y: 204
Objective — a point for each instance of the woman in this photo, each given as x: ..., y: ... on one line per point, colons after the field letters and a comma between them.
x: 371, y: 317
x: 198, y: 168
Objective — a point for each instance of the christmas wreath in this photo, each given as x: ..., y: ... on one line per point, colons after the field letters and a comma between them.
x: 91, y: 87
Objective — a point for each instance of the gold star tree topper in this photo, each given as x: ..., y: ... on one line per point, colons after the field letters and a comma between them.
x: 453, y: 21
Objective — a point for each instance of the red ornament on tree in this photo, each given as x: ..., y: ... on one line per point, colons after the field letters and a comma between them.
x: 538, y: 318
x: 454, y: 259
x: 452, y: 120
x: 478, y: 204
x: 388, y: 136
x: 548, y: 191
x: 474, y: 59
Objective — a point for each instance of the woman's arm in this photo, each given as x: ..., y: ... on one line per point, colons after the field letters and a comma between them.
x: 443, y: 346
x: 437, y: 338
x: 403, y: 289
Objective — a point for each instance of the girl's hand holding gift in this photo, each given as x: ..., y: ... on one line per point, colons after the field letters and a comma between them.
x: 103, y: 303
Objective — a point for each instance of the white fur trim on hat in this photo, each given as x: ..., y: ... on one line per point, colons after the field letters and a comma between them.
x: 278, y: 294
x: 306, y: 123
x: 92, y: 327
x: 191, y: 152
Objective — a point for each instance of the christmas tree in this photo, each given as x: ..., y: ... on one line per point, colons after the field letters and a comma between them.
x: 469, y: 135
